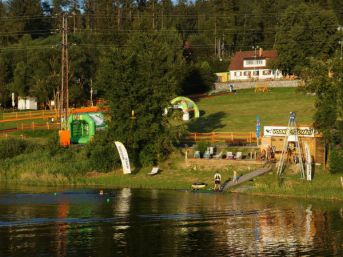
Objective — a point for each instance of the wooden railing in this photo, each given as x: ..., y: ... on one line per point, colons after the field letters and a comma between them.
x: 37, y: 126
x: 30, y: 115
x: 226, y: 137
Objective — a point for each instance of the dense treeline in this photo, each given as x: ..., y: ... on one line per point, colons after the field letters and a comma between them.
x: 208, y: 33
x: 141, y: 53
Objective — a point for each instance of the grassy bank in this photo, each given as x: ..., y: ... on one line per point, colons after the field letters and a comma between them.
x: 237, y: 112
x: 323, y: 186
x: 39, y: 168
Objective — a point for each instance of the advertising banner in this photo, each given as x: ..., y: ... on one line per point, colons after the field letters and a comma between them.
x: 123, y: 157
x: 281, y: 131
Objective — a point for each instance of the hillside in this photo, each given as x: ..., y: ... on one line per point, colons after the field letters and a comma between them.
x: 238, y: 112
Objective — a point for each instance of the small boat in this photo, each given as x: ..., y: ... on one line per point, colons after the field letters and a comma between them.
x: 199, y: 185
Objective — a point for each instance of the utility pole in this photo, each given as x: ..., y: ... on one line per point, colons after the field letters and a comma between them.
x: 215, y: 36
x: 64, y: 99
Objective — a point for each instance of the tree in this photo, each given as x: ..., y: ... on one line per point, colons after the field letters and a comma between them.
x: 304, y: 31
x: 325, y: 79
x: 142, y: 78
x: 27, y: 17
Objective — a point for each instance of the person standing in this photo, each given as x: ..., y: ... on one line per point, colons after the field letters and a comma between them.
x: 217, y: 181
x: 235, y: 177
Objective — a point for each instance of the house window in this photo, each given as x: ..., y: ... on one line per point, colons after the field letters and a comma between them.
x: 267, y: 72
x: 256, y: 72
x: 254, y: 63
x: 247, y: 73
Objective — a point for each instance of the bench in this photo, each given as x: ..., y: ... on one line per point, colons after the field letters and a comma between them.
x: 261, y: 88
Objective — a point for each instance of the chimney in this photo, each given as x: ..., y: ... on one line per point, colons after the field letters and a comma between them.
x: 260, y: 51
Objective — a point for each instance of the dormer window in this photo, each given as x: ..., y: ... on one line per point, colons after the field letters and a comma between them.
x: 254, y: 63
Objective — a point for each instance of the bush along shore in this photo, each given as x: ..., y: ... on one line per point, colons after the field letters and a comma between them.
x: 24, y: 162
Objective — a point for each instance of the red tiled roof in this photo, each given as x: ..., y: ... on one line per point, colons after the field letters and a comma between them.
x: 237, y: 60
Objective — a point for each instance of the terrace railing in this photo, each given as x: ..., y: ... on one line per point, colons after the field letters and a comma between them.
x: 224, y: 137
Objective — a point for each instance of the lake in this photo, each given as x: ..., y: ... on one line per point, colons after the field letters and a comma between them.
x: 38, y: 221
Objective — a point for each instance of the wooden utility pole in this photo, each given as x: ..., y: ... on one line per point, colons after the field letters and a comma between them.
x: 64, y: 99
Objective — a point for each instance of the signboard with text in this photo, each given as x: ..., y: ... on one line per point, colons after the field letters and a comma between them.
x: 281, y: 131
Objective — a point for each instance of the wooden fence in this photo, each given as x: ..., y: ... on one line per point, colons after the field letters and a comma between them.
x: 225, y: 137
x: 30, y: 115
x: 37, y: 126
x: 7, y: 133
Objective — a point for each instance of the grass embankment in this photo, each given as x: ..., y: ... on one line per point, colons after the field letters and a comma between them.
x: 323, y: 186
x: 237, y: 112
x: 72, y: 168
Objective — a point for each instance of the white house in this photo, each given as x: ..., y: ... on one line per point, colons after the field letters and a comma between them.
x: 247, y: 65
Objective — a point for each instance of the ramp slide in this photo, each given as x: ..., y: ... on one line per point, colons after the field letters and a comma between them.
x: 246, y: 177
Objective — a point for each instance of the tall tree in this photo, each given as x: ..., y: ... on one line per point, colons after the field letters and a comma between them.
x: 142, y: 78
x: 305, y: 31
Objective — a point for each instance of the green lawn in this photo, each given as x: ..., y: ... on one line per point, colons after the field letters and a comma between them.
x: 238, y: 112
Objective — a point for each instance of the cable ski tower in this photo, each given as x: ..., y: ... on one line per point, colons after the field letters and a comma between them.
x: 292, y: 132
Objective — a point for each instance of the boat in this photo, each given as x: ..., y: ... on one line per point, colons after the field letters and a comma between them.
x: 199, y: 185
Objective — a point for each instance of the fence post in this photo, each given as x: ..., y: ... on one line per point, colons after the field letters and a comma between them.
x: 231, y: 137
x: 33, y: 125
x: 22, y: 126
x: 212, y: 137
x: 195, y: 137
x: 47, y: 124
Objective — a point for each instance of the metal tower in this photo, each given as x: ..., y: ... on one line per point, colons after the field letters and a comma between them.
x: 291, y: 131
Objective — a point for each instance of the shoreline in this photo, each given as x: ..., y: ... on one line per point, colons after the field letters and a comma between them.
x: 265, y: 185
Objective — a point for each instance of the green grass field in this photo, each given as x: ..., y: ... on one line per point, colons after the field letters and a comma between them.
x: 237, y: 113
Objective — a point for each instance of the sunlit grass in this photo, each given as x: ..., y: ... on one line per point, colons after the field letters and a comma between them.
x: 238, y: 112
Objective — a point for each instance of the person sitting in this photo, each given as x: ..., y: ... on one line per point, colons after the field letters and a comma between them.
x: 217, y: 181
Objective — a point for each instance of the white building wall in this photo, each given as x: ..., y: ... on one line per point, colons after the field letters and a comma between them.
x: 262, y: 74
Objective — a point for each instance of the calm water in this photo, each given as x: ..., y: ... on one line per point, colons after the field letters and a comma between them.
x: 124, y: 222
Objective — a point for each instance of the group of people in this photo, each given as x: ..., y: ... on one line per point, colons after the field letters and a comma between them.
x: 268, y: 153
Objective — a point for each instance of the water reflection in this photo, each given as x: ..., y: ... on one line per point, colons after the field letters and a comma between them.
x: 129, y: 222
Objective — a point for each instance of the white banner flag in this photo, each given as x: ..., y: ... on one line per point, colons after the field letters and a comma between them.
x: 123, y: 157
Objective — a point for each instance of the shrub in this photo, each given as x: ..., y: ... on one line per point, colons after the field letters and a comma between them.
x: 53, y: 145
x: 102, y: 153
x: 13, y: 147
x: 202, y: 146
x: 336, y: 160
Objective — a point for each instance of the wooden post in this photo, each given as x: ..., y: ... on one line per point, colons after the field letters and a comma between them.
x: 195, y: 137
x: 22, y: 126
x: 47, y: 124
x: 33, y: 125
x: 231, y: 137
x: 212, y: 137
